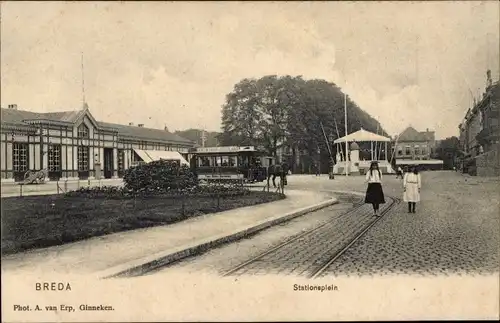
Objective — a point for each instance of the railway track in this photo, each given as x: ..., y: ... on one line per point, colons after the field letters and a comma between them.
x: 312, y: 252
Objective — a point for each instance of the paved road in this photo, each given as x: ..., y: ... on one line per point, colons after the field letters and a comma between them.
x: 222, y: 259
x: 455, y: 230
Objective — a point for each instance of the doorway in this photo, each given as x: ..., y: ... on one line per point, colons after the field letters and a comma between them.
x: 108, y: 162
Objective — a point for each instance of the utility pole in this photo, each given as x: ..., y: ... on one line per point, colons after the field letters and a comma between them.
x: 203, y: 138
x: 83, y: 84
x: 345, y: 124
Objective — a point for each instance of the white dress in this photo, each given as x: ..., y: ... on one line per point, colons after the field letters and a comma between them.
x: 412, y: 184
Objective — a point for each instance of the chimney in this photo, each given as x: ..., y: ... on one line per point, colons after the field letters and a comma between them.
x: 141, y: 125
x: 165, y: 128
x: 427, y: 129
x: 12, y: 106
x: 130, y: 123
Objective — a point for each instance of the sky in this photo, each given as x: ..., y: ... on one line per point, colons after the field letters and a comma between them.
x: 172, y: 63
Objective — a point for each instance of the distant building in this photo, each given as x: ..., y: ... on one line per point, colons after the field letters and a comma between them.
x: 413, y: 147
x: 479, y: 133
x: 72, y: 145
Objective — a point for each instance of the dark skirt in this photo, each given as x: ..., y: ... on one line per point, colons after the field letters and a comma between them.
x: 374, y: 194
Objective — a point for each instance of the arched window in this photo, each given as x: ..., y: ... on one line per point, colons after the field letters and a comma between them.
x: 83, y: 131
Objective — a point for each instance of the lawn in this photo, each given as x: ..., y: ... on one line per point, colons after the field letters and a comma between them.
x: 42, y: 221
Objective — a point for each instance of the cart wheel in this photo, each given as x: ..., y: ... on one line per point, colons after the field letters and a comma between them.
x: 27, y: 174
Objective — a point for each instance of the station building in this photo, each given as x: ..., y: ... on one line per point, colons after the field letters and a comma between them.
x: 72, y: 145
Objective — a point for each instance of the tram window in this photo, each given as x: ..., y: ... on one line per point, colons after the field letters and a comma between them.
x: 233, y: 161
x: 217, y: 160
x: 224, y: 161
x: 203, y: 161
x: 243, y: 161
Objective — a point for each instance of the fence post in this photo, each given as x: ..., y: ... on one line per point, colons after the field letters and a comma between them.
x: 57, y: 183
x: 21, y: 190
x: 183, y: 205
x: 65, y: 185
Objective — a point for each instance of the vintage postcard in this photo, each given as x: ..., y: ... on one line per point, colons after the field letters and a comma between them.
x: 250, y: 161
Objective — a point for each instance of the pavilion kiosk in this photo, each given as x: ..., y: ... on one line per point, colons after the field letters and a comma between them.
x: 353, y: 165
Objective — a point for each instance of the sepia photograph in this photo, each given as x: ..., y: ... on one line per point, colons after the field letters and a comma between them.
x: 250, y: 160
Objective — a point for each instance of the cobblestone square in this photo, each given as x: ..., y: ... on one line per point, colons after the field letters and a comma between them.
x: 454, y: 231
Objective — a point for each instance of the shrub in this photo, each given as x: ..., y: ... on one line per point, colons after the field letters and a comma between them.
x: 159, y: 176
x: 114, y: 192
x: 218, y: 188
x: 100, y: 192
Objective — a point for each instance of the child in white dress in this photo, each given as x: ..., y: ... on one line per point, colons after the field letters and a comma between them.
x: 411, y: 186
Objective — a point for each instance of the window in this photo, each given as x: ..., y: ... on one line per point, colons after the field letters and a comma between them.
x: 83, y: 131
x: 417, y: 150
x: 400, y: 151
x: 217, y: 160
x: 54, y: 158
x: 83, y: 158
x: 20, y: 157
x: 233, y: 161
x: 203, y: 161
x: 224, y: 161
x: 407, y: 150
x: 121, y: 159
x: 424, y: 151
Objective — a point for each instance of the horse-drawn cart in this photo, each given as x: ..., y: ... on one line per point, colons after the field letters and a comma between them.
x: 35, y: 177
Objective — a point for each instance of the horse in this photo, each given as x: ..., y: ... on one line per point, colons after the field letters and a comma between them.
x: 280, y: 170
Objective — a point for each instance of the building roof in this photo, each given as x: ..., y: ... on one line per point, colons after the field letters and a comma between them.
x: 411, y: 134
x: 362, y: 135
x: 15, y: 116
x: 145, y: 133
x: 20, y: 117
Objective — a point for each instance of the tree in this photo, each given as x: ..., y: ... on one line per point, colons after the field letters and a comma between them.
x: 241, y: 116
x: 273, y: 111
x: 255, y: 113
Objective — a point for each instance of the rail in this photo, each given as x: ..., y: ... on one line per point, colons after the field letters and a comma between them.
x: 318, y: 270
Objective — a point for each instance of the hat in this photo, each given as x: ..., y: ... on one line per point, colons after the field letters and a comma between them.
x: 374, y: 162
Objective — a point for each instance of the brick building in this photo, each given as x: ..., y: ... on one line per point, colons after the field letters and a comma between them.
x: 73, y: 145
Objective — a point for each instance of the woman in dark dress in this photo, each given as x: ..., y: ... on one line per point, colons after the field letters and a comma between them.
x: 374, y: 192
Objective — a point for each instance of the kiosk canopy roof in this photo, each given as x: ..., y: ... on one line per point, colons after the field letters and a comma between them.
x: 362, y: 135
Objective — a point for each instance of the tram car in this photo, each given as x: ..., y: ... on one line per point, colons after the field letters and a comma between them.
x: 230, y: 163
